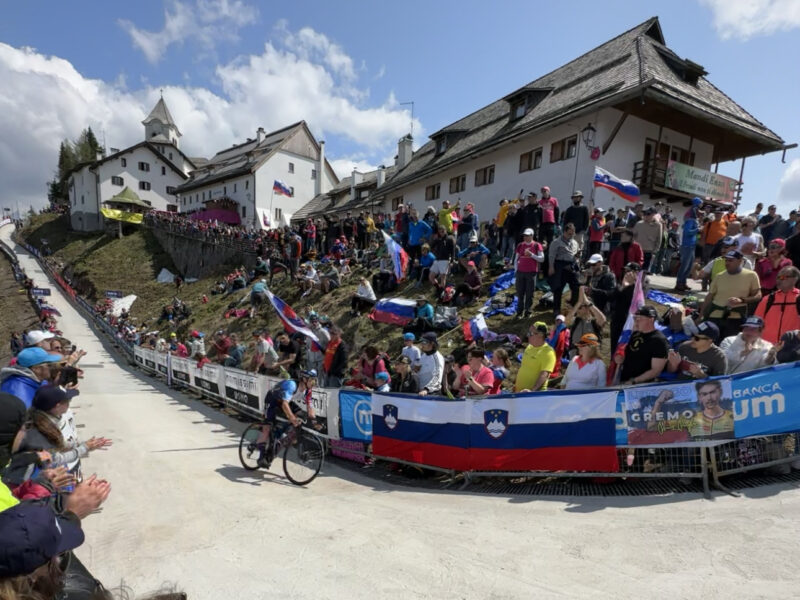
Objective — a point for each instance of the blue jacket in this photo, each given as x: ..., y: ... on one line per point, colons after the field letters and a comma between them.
x: 474, y: 250
x: 425, y: 311
x: 417, y: 231
x: 20, y: 382
x: 426, y: 260
x: 690, y: 230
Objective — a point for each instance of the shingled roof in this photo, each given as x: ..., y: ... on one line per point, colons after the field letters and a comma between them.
x: 635, y: 64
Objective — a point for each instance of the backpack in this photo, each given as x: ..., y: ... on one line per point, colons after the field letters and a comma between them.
x: 771, y: 302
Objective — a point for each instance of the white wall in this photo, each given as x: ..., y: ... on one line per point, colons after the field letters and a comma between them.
x: 277, y: 167
x: 83, y: 200
x: 175, y: 157
x: 131, y: 175
x: 563, y: 177
x: 240, y: 189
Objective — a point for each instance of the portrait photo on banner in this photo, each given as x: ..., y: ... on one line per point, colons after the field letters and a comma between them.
x: 695, y: 411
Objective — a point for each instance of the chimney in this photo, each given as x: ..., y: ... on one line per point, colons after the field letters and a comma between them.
x: 260, y: 134
x: 353, y: 183
x: 321, y: 179
x: 380, y: 176
x: 100, y: 155
x: 404, y: 151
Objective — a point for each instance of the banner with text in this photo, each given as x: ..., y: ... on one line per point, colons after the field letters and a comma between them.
x: 355, y: 409
x: 763, y: 403
x: 680, y: 412
x: 700, y: 182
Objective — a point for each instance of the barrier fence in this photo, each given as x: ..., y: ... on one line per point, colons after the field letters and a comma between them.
x: 699, y: 429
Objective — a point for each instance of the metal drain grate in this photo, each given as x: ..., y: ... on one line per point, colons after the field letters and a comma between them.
x: 552, y: 486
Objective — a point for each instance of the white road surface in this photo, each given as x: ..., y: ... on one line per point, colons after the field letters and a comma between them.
x: 183, y: 511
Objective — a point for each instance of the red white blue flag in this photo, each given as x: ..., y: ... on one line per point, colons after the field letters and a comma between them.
x: 398, y: 255
x: 281, y: 188
x: 627, y: 190
x: 570, y: 431
x: 291, y: 322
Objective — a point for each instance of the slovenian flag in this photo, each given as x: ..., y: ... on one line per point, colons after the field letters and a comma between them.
x: 627, y: 190
x: 475, y: 328
x: 281, y: 188
x: 570, y: 431
x: 399, y: 257
x: 636, y: 303
x: 291, y: 322
x: 394, y: 311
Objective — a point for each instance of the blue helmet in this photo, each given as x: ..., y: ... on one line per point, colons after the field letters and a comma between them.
x: 309, y: 373
x: 288, y: 387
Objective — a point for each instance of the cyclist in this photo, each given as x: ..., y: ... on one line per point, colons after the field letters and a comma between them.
x: 278, y: 399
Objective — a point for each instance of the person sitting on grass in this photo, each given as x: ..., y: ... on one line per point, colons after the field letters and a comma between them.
x: 422, y: 266
x: 470, y: 288
x: 331, y: 279
x: 364, y: 298
x: 307, y: 278
x: 476, y: 253
x: 235, y: 353
x: 423, y: 318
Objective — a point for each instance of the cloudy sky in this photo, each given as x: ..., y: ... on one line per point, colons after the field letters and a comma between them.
x: 227, y: 67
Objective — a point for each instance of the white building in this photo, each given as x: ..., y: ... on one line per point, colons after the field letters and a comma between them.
x: 630, y: 106
x: 236, y: 185
x: 153, y: 168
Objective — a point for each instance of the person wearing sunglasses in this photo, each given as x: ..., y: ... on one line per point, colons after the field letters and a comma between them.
x: 748, y: 350
x: 700, y: 356
x: 768, y: 267
x: 726, y: 303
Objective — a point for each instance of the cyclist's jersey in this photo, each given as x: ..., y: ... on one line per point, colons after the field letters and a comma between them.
x: 303, y: 399
x: 275, y: 398
x: 709, y: 428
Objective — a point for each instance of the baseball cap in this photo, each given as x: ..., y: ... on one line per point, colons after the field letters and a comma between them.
x: 473, y: 237
x: 404, y: 360
x: 728, y: 241
x: 777, y: 242
x: 32, y: 535
x: 195, y: 334
x: 48, y: 396
x: 540, y: 327
x: 409, y: 336
x: 594, y: 259
x: 733, y: 254
x: 754, y: 322
x: 37, y: 337
x: 597, y: 209
x: 647, y: 311
x: 545, y: 188
x: 173, y: 334
x: 649, y: 211
x: 528, y: 231
x: 577, y: 193
x: 560, y: 318
x: 431, y: 337
x: 382, y: 376
x: 471, y: 263
x: 708, y: 329
x: 633, y: 266
x: 589, y: 339
x: 30, y: 357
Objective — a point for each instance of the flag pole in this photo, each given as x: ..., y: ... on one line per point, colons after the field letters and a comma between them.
x: 271, y: 196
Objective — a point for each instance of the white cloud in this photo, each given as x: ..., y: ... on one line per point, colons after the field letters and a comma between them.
x: 789, y: 191
x: 207, y: 22
x: 45, y: 99
x: 743, y: 19
x: 344, y: 166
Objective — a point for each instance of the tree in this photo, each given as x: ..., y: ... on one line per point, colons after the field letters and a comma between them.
x: 84, y: 149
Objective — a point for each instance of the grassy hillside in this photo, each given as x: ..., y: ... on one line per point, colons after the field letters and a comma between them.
x: 15, y: 308
x: 98, y: 262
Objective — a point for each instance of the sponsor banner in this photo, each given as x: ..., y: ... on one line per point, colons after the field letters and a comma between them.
x: 40, y: 291
x: 680, y: 412
x: 210, y: 378
x: 700, y: 182
x: 122, y: 215
x: 148, y: 359
x: 244, y: 388
x: 162, y: 362
x: 182, y: 369
x: 355, y: 415
x: 115, y: 294
x: 138, y: 355
x: 762, y: 401
x: 349, y: 450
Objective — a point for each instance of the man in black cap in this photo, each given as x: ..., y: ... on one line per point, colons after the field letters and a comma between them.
x: 406, y: 381
x: 730, y: 294
x: 578, y: 215
x: 647, y: 350
x: 529, y: 216
x: 700, y: 356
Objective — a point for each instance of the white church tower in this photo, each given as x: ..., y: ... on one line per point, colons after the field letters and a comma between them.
x: 159, y: 126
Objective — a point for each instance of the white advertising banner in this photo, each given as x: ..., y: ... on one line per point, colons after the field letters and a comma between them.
x: 245, y: 388
x: 182, y: 369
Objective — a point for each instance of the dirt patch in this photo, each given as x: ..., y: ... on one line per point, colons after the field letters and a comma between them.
x: 16, y: 310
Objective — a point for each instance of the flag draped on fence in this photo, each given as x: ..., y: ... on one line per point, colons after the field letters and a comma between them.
x: 627, y: 190
x: 569, y: 431
x: 291, y: 321
x: 398, y: 255
x: 281, y: 188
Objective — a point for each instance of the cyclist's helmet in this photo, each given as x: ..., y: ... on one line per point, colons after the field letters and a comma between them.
x: 288, y: 388
x: 309, y: 373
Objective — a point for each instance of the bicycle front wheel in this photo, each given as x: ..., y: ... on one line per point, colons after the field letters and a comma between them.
x: 248, y: 452
x: 303, y: 458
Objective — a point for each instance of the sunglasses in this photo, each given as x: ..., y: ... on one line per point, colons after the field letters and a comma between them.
x: 782, y: 277
x: 697, y: 338
x: 775, y: 247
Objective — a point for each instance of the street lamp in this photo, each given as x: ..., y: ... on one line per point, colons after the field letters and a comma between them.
x: 587, y: 135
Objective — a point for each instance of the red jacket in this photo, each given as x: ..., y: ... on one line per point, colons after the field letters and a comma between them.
x: 619, y: 258
x: 782, y: 314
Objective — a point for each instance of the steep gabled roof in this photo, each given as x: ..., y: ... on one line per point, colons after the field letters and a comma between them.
x: 630, y: 65
x: 161, y: 113
x: 246, y: 157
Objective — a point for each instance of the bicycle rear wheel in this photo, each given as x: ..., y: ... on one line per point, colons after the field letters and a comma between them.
x: 303, y: 458
x: 248, y: 452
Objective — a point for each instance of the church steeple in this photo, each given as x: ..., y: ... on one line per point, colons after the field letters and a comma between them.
x: 159, y: 125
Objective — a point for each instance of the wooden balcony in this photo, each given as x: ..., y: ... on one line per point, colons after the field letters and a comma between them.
x: 650, y: 176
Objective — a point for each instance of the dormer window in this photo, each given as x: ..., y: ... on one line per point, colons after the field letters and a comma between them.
x: 524, y: 100
x: 441, y: 145
x: 518, y: 109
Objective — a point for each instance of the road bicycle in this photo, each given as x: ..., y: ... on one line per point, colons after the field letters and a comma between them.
x: 303, y: 451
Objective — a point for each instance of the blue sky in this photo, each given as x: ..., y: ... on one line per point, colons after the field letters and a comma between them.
x: 228, y: 66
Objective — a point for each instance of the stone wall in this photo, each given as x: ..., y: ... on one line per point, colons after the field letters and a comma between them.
x: 197, y: 259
